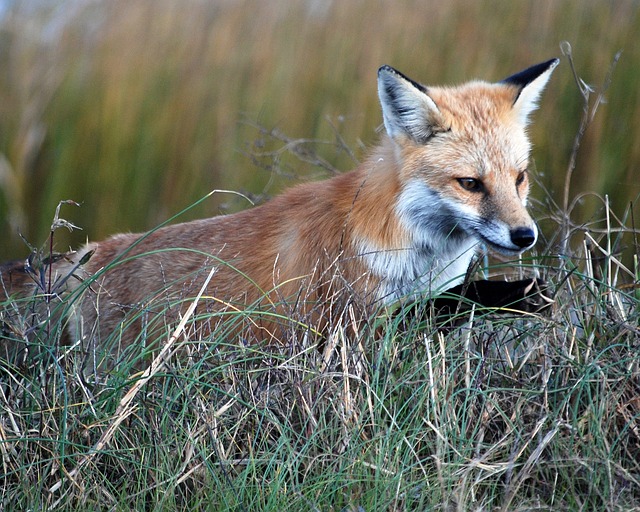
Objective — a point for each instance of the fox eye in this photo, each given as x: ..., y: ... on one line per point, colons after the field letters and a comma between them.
x: 471, y: 184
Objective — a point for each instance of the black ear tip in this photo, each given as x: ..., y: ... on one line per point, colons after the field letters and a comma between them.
x: 527, y: 76
x: 552, y: 63
x: 386, y: 69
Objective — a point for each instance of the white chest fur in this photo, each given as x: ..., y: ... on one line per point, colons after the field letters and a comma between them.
x: 415, y: 271
x: 436, y: 257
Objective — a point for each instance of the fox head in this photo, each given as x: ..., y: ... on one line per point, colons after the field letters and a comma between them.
x: 462, y: 154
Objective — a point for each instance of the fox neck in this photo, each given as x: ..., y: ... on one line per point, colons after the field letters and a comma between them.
x: 403, y: 234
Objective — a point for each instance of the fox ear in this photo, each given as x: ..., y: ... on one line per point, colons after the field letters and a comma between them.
x: 530, y: 84
x: 407, y: 108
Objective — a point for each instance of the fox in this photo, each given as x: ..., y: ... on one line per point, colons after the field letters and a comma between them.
x: 448, y: 180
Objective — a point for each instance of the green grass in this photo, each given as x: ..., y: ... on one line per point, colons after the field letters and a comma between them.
x: 504, y: 413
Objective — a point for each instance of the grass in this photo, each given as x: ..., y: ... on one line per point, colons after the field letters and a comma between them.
x: 499, y: 413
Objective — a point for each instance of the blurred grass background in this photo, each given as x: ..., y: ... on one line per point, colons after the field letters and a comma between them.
x: 138, y: 108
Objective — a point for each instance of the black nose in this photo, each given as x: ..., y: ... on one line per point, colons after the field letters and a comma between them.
x: 523, y: 237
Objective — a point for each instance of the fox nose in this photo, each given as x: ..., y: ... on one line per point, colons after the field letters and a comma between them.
x: 523, y: 237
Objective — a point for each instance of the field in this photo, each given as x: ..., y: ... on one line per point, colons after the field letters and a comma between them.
x: 136, y: 110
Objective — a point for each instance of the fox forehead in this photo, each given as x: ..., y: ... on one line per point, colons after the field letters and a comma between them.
x: 476, y: 99
x: 484, y: 134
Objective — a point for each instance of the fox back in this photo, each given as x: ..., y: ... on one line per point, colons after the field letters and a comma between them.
x: 448, y: 177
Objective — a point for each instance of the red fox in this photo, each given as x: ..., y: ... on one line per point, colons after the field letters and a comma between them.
x: 449, y: 176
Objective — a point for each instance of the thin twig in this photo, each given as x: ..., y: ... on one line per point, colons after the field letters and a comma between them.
x: 588, y: 114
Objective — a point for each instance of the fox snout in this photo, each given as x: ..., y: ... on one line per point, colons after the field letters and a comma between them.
x: 502, y: 237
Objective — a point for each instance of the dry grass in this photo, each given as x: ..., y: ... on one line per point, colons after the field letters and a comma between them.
x: 499, y: 413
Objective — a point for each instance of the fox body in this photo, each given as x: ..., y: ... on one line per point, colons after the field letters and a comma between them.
x: 449, y: 176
